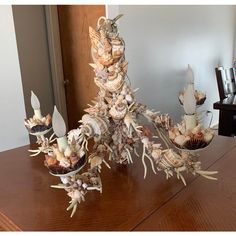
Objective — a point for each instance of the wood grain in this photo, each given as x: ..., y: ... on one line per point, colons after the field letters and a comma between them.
x: 75, y: 42
x: 203, y: 206
x: 7, y: 225
x: 126, y: 201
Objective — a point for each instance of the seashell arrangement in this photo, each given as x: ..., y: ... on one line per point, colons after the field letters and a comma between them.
x: 113, y: 125
x: 192, y: 139
x: 37, y: 125
x: 63, y: 162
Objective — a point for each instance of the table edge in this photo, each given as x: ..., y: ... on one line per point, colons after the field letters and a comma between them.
x: 7, y: 225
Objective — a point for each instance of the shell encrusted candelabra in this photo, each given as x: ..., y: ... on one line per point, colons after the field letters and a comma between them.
x: 191, y: 134
x: 112, y: 122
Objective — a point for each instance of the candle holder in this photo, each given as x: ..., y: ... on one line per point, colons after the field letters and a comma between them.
x: 66, y: 163
x: 38, y: 128
x: 190, y: 134
x: 113, y: 125
x: 190, y: 139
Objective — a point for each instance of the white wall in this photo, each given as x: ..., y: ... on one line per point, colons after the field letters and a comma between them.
x: 12, y: 131
x: 31, y: 36
x: 162, y: 40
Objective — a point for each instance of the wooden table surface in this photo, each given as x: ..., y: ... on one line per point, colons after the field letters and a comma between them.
x: 128, y: 202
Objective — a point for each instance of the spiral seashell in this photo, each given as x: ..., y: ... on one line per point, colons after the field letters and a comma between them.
x: 99, y: 126
x: 119, y: 109
x: 114, y: 84
x: 118, y: 113
x: 170, y: 159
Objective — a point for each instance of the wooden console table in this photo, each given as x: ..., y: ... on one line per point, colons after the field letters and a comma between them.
x: 227, y: 109
x: 128, y: 201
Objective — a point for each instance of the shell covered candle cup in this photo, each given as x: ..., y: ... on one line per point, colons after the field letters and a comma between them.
x: 65, y: 163
x: 38, y: 125
x: 190, y: 139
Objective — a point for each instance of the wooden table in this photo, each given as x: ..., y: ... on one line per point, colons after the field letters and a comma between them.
x: 128, y: 202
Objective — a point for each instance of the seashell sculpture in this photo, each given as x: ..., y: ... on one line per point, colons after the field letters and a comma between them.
x: 112, y: 122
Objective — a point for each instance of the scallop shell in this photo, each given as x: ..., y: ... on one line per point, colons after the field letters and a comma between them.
x: 95, y: 37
